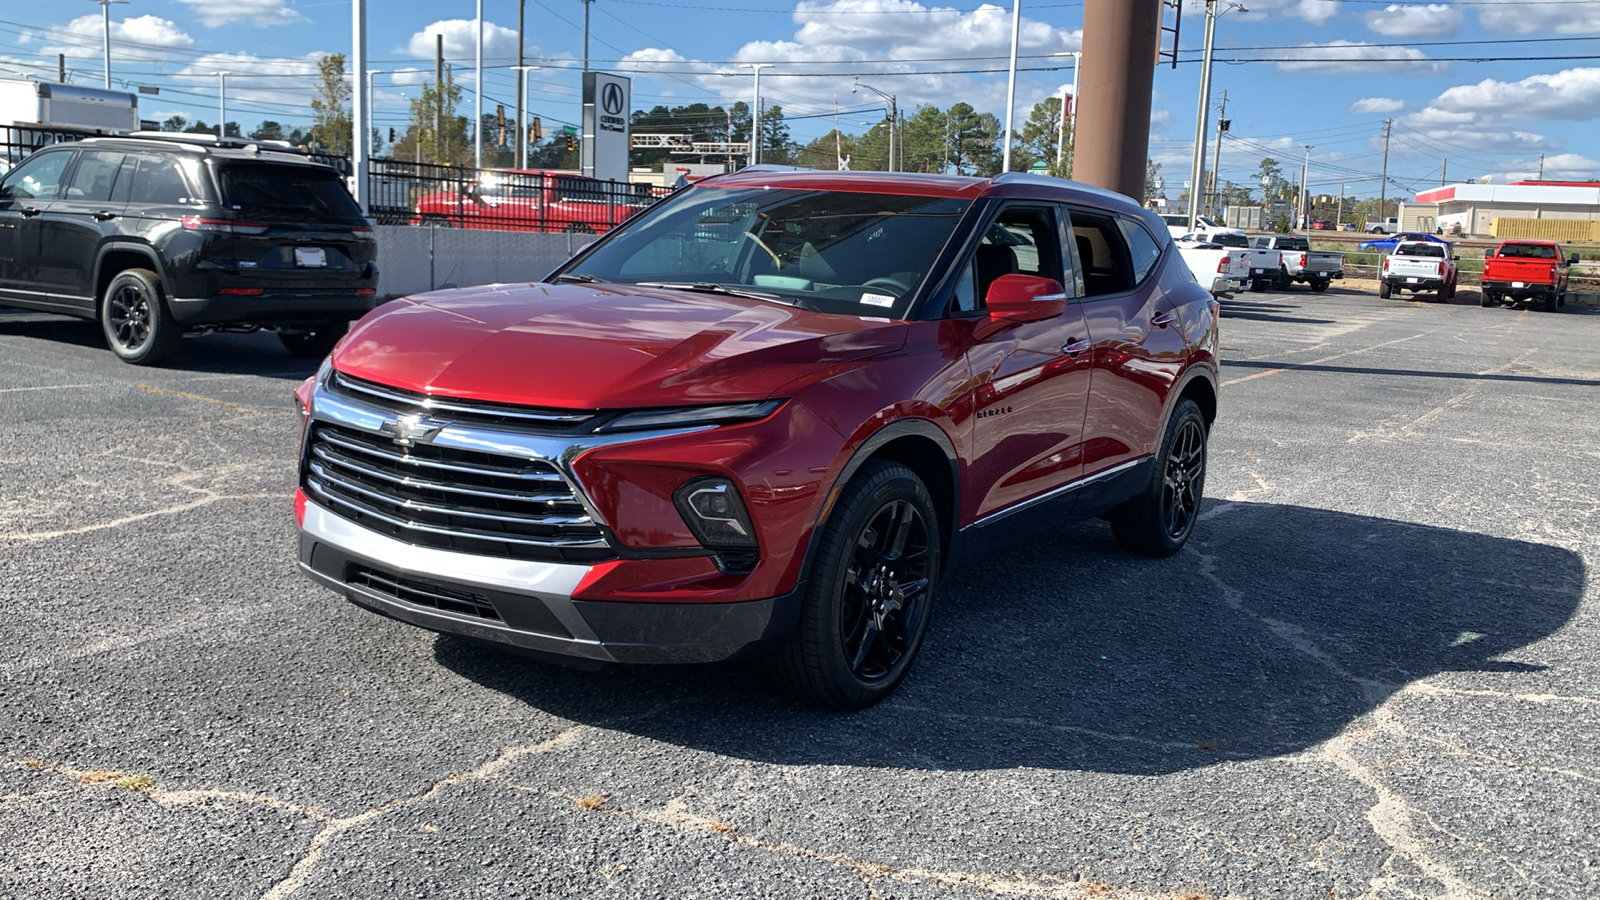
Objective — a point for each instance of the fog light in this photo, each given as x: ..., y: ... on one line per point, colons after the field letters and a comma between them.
x: 712, y: 509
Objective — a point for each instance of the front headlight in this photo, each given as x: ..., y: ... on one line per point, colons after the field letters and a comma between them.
x: 691, y: 416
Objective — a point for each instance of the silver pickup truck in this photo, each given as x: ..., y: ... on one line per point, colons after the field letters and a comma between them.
x: 1279, y: 260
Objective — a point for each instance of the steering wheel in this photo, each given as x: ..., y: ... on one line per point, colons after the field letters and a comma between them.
x: 900, y: 288
x: 776, y: 262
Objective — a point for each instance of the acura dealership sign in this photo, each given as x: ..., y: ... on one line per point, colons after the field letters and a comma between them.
x: 607, y: 106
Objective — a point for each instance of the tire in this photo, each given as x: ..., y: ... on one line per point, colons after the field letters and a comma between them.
x: 1549, y: 303
x: 1561, y: 299
x: 134, y: 317
x: 1159, y: 521
x: 1384, y: 290
x: 1448, y: 292
x: 1257, y: 285
x: 1487, y: 299
x: 316, y: 343
x: 1319, y: 286
x: 867, y: 602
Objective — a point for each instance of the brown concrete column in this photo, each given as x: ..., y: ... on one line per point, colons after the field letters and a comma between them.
x: 1113, y: 128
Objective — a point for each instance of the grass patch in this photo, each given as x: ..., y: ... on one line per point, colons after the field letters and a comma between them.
x: 592, y: 802
x: 142, y: 783
x: 100, y: 777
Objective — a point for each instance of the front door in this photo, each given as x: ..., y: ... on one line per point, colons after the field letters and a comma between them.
x: 74, y: 226
x: 1031, y: 381
x: 24, y: 194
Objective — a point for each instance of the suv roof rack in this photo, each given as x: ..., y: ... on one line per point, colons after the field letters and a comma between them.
x: 225, y: 143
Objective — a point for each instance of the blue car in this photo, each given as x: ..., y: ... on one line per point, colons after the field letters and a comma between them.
x: 1388, y: 244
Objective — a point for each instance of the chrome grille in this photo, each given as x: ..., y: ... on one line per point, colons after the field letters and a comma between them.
x: 527, y: 418
x: 463, y: 500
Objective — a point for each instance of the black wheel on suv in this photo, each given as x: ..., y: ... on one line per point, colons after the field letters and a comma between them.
x: 1159, y: 521
x: 137, y: 324
x: 867, y: 603
x: 315, y: 343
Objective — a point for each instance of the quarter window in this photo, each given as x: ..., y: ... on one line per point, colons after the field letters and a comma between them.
x: 158, y: 181
x: 1102, y: 253
x: 1143, y: 249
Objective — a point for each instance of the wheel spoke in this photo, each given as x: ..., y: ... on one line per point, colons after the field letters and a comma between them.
x: 868, y: 639
x: 903, y: 514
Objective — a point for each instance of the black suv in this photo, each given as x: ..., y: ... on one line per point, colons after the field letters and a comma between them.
x: 156, y: 235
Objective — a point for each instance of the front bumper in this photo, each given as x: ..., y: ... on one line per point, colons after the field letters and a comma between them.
x: 529, y: 604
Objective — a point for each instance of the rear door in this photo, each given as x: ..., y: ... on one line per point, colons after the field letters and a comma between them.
x: 74, y: 225
x: 1139, y: 347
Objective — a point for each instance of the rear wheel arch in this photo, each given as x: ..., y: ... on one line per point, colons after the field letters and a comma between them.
x: 115, y: 259
x: 1199, y: 387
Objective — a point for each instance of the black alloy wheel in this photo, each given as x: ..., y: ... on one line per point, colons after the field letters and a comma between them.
x: 1159, y: 521
x: 135, y: 320
x: 868, y: 600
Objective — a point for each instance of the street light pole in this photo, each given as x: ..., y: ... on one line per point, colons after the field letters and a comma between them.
x: 360, y: 105
x: 1205, y: 105
x: 755, y: 111
x: 222, y: 105
x: 894, y: 115
x: 1305, y: 192
x: 477, y: 124
x: 522, y: 111
x: 1011, y: 82
x: 105, y: 15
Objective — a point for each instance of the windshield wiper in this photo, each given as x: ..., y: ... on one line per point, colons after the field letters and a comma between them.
x: 576, y: 278
x: 711, y: 287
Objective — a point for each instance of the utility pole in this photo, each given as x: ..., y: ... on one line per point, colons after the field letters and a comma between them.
x: 1541, y: 167
x: 61, y: 67
x: 1444, y: 165
x: 1114, y: 97
x: 1305, y: 191
x: 1383, y: 180
x: 522, y: 89
x: 1216, y: 158
x: 1205, y: 109
x: 438, y: 98
x: 755, y: 111
x: 1339, y: 218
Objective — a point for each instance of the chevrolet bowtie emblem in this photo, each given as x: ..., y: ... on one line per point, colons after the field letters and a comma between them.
x: 408, y: 431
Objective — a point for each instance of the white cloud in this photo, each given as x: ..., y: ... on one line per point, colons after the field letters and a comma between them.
x: 1317, y: 12
x: 1569, y: 94
x: 1433, y: 20
x: 253, y: 80
x: 1342, y: 56
x: 460, y: 42
x: 260, y: 13
x: 1377, y: 105
x: 1540, y: 18
x: 145, y: 38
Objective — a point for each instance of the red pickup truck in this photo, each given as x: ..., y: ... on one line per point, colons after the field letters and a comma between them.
x: 532, y: 200
x: 1526, y: 271
x: 762, y: 419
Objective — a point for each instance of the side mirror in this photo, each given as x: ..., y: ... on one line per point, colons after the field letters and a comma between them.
x: 1572, y: 260
x: 1455, y: 258
x: 1025, y: 298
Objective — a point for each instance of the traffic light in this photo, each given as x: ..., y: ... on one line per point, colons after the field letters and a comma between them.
x: 536, y: 130
x: 391, y: 134
x: 572, y: 142
x: 500, y: 116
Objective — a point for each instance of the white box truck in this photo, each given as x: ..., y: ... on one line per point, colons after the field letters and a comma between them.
x: 27, y: 103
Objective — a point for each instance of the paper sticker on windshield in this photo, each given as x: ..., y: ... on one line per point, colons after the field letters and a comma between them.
x: 872, y: 299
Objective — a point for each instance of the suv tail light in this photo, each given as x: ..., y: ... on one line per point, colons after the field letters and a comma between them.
x: 225, y: 226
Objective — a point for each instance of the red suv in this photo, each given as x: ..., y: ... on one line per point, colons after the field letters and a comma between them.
x: 763, y: 418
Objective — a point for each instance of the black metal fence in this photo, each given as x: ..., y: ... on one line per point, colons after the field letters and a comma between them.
x: 414, y: 193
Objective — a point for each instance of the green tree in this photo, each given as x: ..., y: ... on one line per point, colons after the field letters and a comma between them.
x: 330, y: 111
x: 453, y: 144
x: 824, y: 152
x: 1152, y: 172
x: 776, y: 146
x: 1269, y: 175
x: 267, y: 131
x: 974, y: 141
x: 926, y: 140
x: 174, y: 123
x: 1038, y: 139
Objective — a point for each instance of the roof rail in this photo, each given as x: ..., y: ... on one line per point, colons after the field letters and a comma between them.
x: 229, y: 143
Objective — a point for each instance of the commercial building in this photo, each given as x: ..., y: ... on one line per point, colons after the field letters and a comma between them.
x: 1477, y: 207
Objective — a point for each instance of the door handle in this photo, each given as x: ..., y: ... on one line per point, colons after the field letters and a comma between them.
x: 104, y: 215
x: 1163, y: 319
x: 29, y: 212
x: 1076, y: 347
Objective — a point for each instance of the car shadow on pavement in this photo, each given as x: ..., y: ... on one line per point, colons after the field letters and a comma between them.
x: 1274, y: 630
x: 260, y: 354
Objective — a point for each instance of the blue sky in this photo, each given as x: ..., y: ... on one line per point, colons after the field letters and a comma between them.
x: 1321, y: 72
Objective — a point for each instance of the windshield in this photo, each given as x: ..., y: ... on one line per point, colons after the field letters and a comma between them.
x: 1230, y: 240
x: 1433, y: 250
x: 830, y: 251
x: 287, y: 193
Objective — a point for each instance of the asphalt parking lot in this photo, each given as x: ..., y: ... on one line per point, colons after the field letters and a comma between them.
x: 1372, y: 672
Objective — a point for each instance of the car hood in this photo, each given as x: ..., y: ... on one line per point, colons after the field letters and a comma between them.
x: 602, y: 346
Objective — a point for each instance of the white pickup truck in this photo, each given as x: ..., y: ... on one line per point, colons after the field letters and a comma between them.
x: 1219, y: 269
x: 1418, y: 266
x: 1277, y: 261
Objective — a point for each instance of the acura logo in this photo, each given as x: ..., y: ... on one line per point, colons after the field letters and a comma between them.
x: 611, y: 98
x: 408, y: 431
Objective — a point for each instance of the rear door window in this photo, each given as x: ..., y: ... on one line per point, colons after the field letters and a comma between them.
x: 286, y: 192
x: 157, y: 180
x: 95, y: 176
